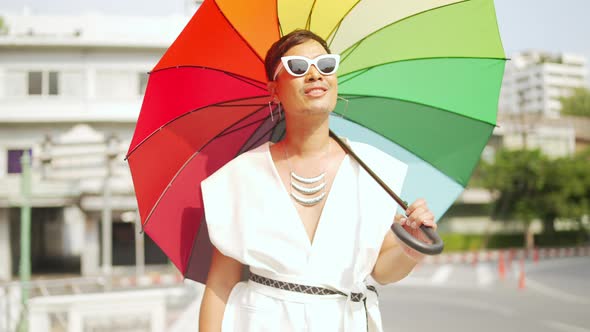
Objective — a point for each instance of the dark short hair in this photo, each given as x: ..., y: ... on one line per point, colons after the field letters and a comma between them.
x: 281, y: 46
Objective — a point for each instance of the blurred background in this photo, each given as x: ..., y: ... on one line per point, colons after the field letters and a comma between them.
x: 72, y: 255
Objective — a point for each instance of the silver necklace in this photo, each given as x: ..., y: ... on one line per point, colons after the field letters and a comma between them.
x: 308, y: 187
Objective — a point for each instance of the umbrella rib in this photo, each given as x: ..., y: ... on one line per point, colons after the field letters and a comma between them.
x: 235, y: 104
x: 236, y: 31
x: 417, y: 103
x: 308, y: 21
x: 246, y: 147
x: 403, y: 19
x: 243, y: 79
x: 458, y: 181
x: 239, y: 77
x: 185, y: 114
x: 190, y: 256
x: 147, y: 219
x: 365, y: 69
x: 336, y: 28
x: 354, y: 74
x: 348, y: 53
x: 333, y: 33
x: 228, y: 132
x: 425, y: 58
x: 279, y: 22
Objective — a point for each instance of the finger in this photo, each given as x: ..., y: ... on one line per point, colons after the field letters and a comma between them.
x: 418, y: 203
x: 428, y: 221
x: 427, y: 216
x: 430, y: 224
x: 403, y: 221
x: 418, y: 214
x: 397, y: 217
x: 408, y: 225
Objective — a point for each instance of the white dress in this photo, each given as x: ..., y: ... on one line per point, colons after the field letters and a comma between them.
x: 251, y: 218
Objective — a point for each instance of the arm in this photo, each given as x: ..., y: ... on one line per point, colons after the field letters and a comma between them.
x: 396, y: 260
x: 224, y: 273
x: 393, y: 264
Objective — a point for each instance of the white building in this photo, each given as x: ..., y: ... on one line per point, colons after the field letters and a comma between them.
x: 534, y: 82
x: 79, y: 81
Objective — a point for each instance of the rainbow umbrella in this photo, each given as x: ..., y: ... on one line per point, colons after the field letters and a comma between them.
x: 422, y: 80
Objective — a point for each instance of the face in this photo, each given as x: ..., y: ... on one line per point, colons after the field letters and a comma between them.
x: 312, y: 93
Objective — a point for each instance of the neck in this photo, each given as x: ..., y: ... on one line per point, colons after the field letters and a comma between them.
x: 307, y: 136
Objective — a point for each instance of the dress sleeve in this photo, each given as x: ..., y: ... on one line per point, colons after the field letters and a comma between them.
x: 377, y: 208
x: 221, y: 214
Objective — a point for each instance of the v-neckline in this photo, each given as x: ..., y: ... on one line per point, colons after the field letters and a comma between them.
x: 289, y: 201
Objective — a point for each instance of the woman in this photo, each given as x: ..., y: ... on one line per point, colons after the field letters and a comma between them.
x: 311, y: 225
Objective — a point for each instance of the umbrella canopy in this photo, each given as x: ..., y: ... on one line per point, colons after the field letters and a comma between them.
x: 422, y: 79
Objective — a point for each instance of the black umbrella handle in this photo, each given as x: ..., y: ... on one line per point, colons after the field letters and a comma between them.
x: 437, y: 245
x: 435, y: 248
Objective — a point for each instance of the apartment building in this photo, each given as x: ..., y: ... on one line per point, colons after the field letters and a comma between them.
x: 71, y: 89
x: 534, y: 81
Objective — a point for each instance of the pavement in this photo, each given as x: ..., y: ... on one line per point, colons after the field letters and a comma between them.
x: 548, y: 295
x: 542, y: 291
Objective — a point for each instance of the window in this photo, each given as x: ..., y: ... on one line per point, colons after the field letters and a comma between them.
x: 43, y: 83
x: 143, y: 79
x: 21, y: 83
x: 53, y: 83
x: 14, y: 160
x: 35, y: 82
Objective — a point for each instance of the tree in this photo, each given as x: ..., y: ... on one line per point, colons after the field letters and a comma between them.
x: 517, y: 179
x: 530, y: 186
x: 3, y: 27
x: 568, y: 187
x: 577, y: 104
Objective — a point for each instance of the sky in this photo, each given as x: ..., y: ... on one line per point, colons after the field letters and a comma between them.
x: 550, y: 25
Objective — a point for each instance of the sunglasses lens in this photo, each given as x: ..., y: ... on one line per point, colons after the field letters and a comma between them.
x: 298, y: 66
x: 327, y: 65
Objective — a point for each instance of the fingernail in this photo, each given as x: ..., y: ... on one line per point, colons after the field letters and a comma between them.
x: 402, y: 221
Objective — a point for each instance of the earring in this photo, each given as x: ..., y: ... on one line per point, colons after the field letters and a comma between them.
x: 278, y: 109
x: 270, y: 111
x: 280, y: 113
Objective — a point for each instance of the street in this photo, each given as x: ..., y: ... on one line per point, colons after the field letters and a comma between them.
x: 553, y: 296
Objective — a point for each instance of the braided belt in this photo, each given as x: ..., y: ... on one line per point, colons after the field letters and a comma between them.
x: 313, y: 290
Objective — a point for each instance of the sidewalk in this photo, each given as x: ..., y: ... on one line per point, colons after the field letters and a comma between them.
x: 508, y: 254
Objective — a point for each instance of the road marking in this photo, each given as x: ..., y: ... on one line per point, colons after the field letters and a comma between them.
x: 555, y: 293
x: 441, y: 275
x: 563, y: 327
